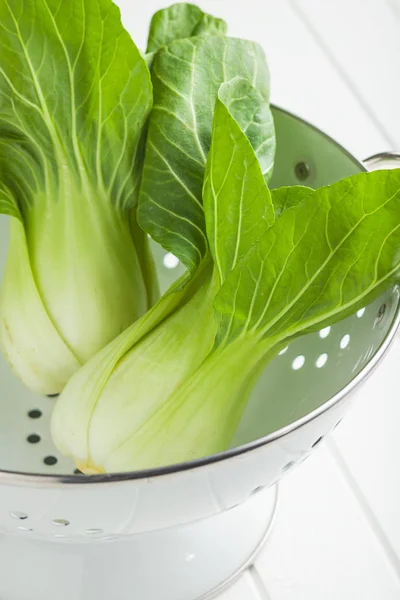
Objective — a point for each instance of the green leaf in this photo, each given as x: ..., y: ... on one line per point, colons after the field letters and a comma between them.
x: 149, y: 58
x: 7, y: 204
x: 20, y: 178
x: 76, y: 90
x: 181, y: 21
x: 248, y: 107
x: 286, y: 197
x: 210, y: 25
x: 237, y: 202
x: 186, y: 77
x: 331, y: 253
x: 11, y: 152
x: 75, y: 96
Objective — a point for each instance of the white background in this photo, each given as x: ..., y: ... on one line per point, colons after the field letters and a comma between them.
x: 335, y: 63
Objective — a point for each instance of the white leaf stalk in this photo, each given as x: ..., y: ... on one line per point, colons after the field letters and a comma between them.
x: 118, y: 391
x: 73, y: 282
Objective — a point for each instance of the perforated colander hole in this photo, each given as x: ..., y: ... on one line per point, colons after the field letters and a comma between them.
x: 16, y: 514
x: 345, y: 341
x: 298, y: 362
x: 321, y: 360
x: 324, y: 332
x: 283, y: 351
x: 170, y: 261
x: 94, y: 531
x: 380, y: 314
x: 256, y: 490
x: 50, y: 460
x: 189, y: 556
x: 360, y: 313
x: 21, y: 528
x: 34, y: 438
x: 318, y: 441
x: 60, y: 522
x: 35, y: 413
x: 302, y: 171
x: 288, y: 466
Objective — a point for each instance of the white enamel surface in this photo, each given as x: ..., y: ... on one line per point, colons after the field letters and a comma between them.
x: 337, y: 532
x: 172, y: 567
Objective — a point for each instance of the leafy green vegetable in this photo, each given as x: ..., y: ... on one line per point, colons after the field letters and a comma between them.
x: 323, y: 258
x: 287, y: 197
x: 181, y: 21
x: 198, y: 420
x: 252, y: 113
x: 186, y: 77
x: 75, y: 97
x: 76, y: 405
x: 263, y: 267
x: 140, y: 380
x: 237, y: 203
x: 331, y: 253
x: 116, y: 392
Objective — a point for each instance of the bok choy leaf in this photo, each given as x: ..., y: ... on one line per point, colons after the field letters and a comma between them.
x: 263, y: 267
x: 179, y: 21
x: 237, y: 203
x: 323, y: 258
x: 186, y: 75
x: 75, y: 97
x: 119, y: 390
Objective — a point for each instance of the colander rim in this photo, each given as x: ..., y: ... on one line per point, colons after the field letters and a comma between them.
x: 56, y: 480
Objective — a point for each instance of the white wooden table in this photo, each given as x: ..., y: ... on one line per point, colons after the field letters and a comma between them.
x: 337, y: 534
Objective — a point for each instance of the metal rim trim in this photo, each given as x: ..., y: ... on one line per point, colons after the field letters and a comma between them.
x: 382, y: 157
x: 54, y: 480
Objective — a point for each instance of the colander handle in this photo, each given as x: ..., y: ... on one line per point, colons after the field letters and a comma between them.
x: 383, y: 160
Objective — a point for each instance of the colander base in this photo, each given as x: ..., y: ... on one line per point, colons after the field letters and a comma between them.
x: 191, y: 562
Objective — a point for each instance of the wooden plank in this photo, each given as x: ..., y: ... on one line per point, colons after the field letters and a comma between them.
x: 362, y: 38
x: 369, y: 442
x: 368, y: 439
x: 322, y: 545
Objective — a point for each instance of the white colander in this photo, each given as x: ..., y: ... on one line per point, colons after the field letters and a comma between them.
x: 177, y: 533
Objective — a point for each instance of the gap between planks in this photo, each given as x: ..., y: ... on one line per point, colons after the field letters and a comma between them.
x: 256, y: 584
x: 370, y: 516
x: 302, y: 15
x: 373, y: 521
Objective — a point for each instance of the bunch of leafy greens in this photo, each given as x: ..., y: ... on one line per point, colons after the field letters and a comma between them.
x: 262, y: 267
x: 75, y: 97
x: 187, y: 75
